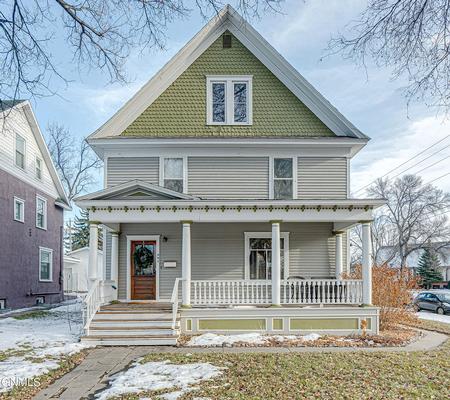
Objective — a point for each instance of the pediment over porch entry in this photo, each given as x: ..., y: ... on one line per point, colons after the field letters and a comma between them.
x: 137, y: 190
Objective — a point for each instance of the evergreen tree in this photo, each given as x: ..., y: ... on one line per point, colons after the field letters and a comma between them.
x: 428, y: 268
x: 80, y: 236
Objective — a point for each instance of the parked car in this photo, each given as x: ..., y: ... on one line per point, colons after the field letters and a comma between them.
x: 437, y: 301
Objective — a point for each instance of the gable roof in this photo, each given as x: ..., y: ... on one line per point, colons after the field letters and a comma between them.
x: 136, y: 186
x: 228, y: 20
x: 25, y: 105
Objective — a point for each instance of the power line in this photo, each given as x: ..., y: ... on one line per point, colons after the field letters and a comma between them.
x: 421, y: 161
x: 435, y: 179
x: 403, y: 163
x: 431, y: 165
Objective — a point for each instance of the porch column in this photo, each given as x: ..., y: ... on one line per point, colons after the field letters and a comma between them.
x: 186, y: 264
x: 339, y: 254
x: 93, y: 250
x: 276, y: 263
x: 366, y: 262
x: 115, y: 256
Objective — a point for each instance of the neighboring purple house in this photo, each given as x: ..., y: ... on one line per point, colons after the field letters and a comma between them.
x: 32, y: 203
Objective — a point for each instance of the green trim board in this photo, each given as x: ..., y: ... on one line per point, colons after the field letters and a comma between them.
x: 277, y: 324
x: 189, y: 324
x: 180, y: 111
x: 323, y: 323
x: 232, y: 324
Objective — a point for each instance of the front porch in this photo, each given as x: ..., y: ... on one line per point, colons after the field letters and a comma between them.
x: 235, y: 260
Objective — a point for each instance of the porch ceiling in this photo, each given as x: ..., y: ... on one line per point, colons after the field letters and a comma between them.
x: 342, y: 212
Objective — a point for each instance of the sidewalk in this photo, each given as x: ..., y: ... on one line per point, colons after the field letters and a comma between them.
x: 101, y: 363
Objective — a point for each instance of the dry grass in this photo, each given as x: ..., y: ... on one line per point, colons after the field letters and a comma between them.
x: 325, y: 375
x: 28, y: 392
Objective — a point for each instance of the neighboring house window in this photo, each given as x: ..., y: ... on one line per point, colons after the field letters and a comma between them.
x: 283, y: 181
x: 20, y: 151
x: 19, y: 209
x: 173, y: 173
x: 41, y: 212
x: 258, y: 253
x: 38, y: 168
x: 45, y: 264
x: 229, y: 100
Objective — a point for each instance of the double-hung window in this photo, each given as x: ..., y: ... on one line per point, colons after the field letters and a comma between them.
x: 229, y: 100
x: 45, y: 264
x: 258, y: 249
x: 38, y: 168
x: 172, y: 174
x: 41, y: 212
x: 283, y: 179
x: 20, y: 151
x: 19, y: 209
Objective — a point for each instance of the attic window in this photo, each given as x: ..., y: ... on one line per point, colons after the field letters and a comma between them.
x: 229, y: 100
x: 226, y: 41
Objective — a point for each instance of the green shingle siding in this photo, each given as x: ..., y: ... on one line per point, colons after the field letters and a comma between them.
x: 181, y: 110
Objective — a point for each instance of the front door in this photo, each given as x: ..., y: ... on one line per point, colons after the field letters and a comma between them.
x: 143, y: 269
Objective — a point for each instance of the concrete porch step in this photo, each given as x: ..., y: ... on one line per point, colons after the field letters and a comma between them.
x: 132, y: 332
x: 145, y: 340
x: 133, y: 316
x: 132, y: 323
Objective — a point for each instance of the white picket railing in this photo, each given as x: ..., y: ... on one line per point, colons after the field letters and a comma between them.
x: 293, y: 291
x: 175, y: 299
x: 91, y: 304
x: 231, y: 292
x: 321, y: 291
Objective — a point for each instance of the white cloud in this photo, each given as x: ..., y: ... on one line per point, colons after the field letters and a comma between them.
x: 380, y: 157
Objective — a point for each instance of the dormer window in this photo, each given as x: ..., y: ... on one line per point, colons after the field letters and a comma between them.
x: 229, y: 100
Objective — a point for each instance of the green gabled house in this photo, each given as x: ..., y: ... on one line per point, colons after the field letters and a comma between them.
x: 226, y: 201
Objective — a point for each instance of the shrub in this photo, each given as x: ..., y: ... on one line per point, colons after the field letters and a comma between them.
x: 392, y: 292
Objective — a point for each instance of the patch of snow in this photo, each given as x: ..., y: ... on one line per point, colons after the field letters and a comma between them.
x: 311, y: 337
x: 434, y: 317
x: 255, y: 338
x: 48, y: 338
x: 158, y: 376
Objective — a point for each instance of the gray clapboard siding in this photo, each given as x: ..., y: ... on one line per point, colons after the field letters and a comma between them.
x: 218, y: 250
x: 123, y: 169
x: 229, y: 177
x: 322, y: 177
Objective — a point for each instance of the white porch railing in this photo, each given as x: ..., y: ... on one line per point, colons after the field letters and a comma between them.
x: 293, y: 291
x: 175, y: 299
x: 321, y: 291
x: 91, y: 304
x: 231, y: 292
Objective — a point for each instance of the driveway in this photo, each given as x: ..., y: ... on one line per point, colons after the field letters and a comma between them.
x: 428, y: 315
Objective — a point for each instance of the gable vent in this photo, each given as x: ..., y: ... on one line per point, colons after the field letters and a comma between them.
x: 226, y: 41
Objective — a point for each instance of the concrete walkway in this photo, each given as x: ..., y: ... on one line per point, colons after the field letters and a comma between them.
x: 101, y: 363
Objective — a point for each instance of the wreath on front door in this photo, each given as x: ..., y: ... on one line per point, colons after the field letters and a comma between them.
x: 143, y: 258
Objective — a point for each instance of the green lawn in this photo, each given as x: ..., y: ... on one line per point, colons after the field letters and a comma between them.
x: 361, y: 375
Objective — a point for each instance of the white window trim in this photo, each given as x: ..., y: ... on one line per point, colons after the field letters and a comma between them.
x: 24, y: 155
x: 185, y: 171
x: 265, y: 235
x: 294, y: 176
x: 36, y: 169
x: 229, y: 99
x: 18, y: 200
x: 42, y: 249
x: 45, y: 212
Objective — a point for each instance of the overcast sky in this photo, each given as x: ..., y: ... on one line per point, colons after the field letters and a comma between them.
x: 372, y: 101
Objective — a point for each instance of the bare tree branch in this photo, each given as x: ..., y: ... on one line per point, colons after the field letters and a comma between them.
x: 100, y: 34
x: 413, y: 218
x: 74, y: 161
x: 410, y: 36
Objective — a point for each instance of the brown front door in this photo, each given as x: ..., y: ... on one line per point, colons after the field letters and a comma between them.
x: 143, y: 270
